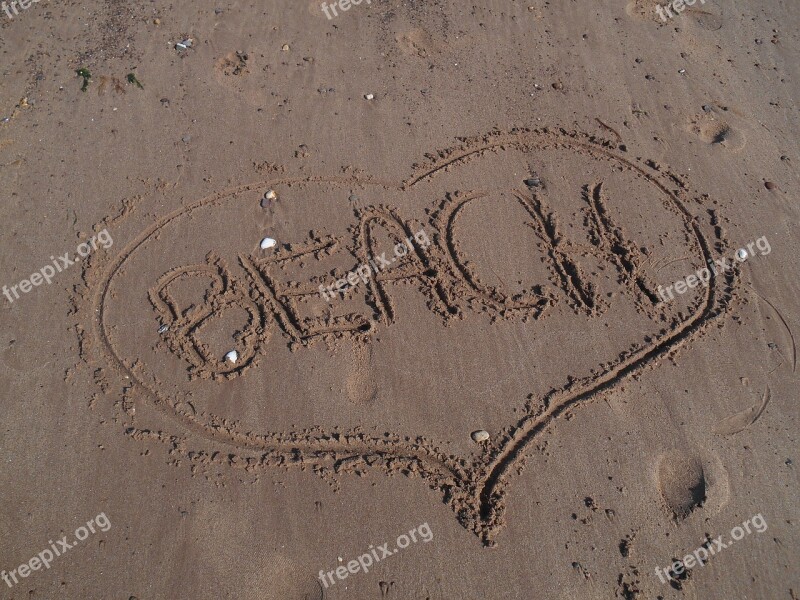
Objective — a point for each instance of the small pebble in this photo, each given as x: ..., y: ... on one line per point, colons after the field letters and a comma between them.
x: 186, y: 139
x: 5, y: 119
x: 267, y: 243
x: 480, y: 435
x: 156, y: 21
x: 741, y: 254
x: 163, y: 328
x: 217, y: 11
x: 707, y: 107
x: 681, y: 71
x: 533, y: 182
x: 369, y: 96
x: 353, y: 198
x: 271, y: 195
x: 285, y: 47
x: 232, y: 356
x: 769, y: 185
x: 265, y: 203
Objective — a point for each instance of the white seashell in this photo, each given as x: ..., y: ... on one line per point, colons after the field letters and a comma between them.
x: 741, y: 254
x: 267, y: 243
x: 480, y: 435
x: 232, y: 356
x: 270, y: 195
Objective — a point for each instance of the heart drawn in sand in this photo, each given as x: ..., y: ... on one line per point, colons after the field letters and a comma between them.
x: 462, y: 292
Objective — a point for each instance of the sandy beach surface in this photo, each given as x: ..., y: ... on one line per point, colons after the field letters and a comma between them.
x: 399, y: 300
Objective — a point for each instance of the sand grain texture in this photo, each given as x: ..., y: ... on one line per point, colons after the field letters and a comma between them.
x: 477, y: 210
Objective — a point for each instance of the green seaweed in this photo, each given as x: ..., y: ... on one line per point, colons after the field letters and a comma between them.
x: 132, y: 79
x: 84, y: 72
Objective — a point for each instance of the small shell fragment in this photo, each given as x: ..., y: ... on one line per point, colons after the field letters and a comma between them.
x: 232, y: 356
x: 480, y: 436
x: 267, y: 243
x: 741, y: 254
x: 369, y: 96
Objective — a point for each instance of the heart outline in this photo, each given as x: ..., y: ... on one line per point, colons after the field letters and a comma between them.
x: 476, y: 491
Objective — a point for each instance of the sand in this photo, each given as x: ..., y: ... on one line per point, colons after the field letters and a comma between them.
x: 525, y: 329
